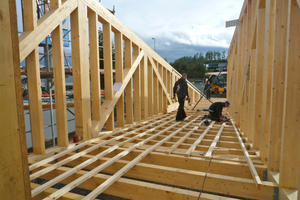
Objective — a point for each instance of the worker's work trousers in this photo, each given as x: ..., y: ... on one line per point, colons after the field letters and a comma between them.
x: 208, y: 94
x: 180, y: 113
x: 214, y: 116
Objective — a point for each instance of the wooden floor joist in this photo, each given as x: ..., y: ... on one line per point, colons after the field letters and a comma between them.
x: 140, y: 153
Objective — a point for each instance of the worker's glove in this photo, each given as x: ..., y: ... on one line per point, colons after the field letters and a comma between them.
x: 189, y: 99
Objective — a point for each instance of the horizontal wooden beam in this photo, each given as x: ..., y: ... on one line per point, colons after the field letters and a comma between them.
x: 133, y: 189
x: 189, y: 179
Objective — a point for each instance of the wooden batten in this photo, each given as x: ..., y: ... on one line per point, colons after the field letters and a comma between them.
x: 94, y: 65
x: 144, y: 88
x: 34, y: 83
x: 108, y: 77
x: 129, y: 88
x: 137, y: 87
x: 59, y: 82
x: 119, y: 76
x: 150, y: 89
x: 14, y: 172
x: 81, y: 80
x: 278, y: 76
x: 259, y: 78
x: 290, y: 160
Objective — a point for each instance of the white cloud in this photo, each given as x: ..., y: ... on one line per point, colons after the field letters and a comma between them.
x: 192, y: 22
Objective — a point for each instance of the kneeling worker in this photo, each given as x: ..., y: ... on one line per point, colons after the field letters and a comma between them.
x: 181, y: 88
x: 215, y: 110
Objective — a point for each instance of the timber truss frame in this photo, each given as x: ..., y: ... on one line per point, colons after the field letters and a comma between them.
x: 143, y: 78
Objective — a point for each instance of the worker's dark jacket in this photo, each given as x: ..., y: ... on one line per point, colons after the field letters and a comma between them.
x: 181, y: 88
x: 217, y: 109
x: 207, y: 87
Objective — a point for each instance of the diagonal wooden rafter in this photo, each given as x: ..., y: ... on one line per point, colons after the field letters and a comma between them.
x: 108, y: 105
x: 160, y: 80
x: 29, y: 40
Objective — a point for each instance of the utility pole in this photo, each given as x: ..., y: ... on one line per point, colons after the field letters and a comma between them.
x: 154, y: 44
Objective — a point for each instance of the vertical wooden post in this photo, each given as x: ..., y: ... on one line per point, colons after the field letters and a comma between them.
x: 290, y: 148
x: 156, y: 94
x: 136, y: 86
x: 150, y: 90
x: 34, y: 83
x: 119, y: 76
x: 278, y: 76
x: 259, y: 78
x: 128, y: 92
x: 108, y: 78
x: 144, y: 88
x: 160, y: 90
x: 94, y: 62
x: 165, y: 100
x: 14, y: 173
x: 252, y: 82
x: 59, y: 82
x: 267, y: 79
x: 81, y: 82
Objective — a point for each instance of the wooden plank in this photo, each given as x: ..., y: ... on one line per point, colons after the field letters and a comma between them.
x: 290, y: 160
x: 128, y: 188
x: 14, y: 173
x: 160, y: 90
x: 188, y: 179
x: 109, y: 105
x: 155, y: 93
x: 259, y: 78
x: 93, y: 172
x: 57, y: 179
x: 34, y: 83
x: 179, y: 142
x: 108, y: 78
x: 165, y: 96
x: 131, y: 164
x: 278, y: 75
x: 150, y: 89
x: 137, y: 87
x: 119, y: 76
x: 214, y: 143
x: 160, y: 79
x: 67, y: 196
x: 60, y: 85
x: 94, y: 65
x: 30, y: 39
x: 197, y: 142
x: 253, y: 171
x: 128, y: 92
x: 144, y: 88
x: 80, y: 68
x: 267, y: 80
x: 222, y: 167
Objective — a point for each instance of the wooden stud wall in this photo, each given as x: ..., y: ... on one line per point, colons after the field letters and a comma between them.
x: 269, y: 119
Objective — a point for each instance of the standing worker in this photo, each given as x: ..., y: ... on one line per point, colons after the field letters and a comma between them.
x: 181, y: 88
x: 215, y: 110
x: 207, y: 89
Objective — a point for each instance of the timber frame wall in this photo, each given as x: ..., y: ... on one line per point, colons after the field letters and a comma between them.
x: 264, y: 87
x: 146, y: 72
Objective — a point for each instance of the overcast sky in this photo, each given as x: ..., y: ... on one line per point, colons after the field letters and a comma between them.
x: 181, y: 28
